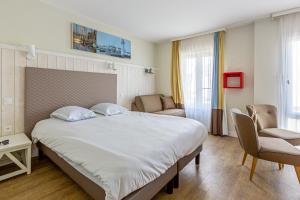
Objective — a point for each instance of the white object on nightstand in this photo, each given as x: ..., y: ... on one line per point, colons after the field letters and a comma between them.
x: 16, y: 142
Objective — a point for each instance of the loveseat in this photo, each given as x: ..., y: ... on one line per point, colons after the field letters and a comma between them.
x: 158, y: 104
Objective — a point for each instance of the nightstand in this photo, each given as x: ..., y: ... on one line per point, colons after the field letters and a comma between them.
x: 17, y: 142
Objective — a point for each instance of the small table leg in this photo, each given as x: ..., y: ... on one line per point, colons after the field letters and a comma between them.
x: 28, y: 159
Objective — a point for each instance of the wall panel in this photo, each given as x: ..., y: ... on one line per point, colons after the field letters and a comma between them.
x: 8, y: 91
x: 20, y: 64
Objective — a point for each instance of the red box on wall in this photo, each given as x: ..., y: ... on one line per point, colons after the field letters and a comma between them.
x: 233, y: 80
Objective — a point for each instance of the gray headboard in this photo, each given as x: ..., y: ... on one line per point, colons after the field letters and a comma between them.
x: 49, y: 89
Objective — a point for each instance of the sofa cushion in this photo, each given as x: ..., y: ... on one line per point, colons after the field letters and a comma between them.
x: 173, y: 112
x: 168, y: 103
x: 149, y: 103
x: 139, y: 104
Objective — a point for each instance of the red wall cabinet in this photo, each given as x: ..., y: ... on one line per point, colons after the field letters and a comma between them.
x: 233, y: 80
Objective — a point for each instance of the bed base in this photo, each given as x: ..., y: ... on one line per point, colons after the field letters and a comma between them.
x: 184, y: 161
x: 170, y: 178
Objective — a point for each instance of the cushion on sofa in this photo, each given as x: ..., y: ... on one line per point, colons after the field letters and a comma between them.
x: 149, y: 103
x: 139, y: 104
x: 168, y: 102
x: 173, y: 112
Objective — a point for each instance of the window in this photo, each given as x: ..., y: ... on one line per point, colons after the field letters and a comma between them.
x: 196, y: 66
x: 289, y: 74
x: 294, y: 81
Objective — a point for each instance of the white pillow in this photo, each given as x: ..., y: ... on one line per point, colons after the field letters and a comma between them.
x: 108, y: 109
x: 73, y: 113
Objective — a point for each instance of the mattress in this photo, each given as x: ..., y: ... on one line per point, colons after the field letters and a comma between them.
x: 122, y: 153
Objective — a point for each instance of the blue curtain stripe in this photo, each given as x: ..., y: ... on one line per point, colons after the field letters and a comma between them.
x: 215, y: 85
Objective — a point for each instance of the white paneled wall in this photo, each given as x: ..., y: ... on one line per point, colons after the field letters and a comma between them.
x: 132, y: 80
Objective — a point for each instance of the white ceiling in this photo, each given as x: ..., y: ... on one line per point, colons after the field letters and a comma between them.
x: 157, y: 20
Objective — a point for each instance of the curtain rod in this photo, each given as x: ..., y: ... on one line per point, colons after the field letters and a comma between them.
x: 285, y: 12
x: 198, y: 34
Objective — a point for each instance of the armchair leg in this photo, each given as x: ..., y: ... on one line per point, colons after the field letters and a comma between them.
x: 244, y: 158
x: 297, y: 170
x: 254, y: 161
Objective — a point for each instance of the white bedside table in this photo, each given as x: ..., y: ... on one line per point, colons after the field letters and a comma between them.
x: 16, y: 142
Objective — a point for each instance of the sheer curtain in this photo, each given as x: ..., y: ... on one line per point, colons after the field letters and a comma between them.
x: 289, y: 88
x: 196, y: 67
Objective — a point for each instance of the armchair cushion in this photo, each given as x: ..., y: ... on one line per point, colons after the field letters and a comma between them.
x: 290, y: 136
x: 277, y: 145
x: 266, y: 115
x: 278, y: 150
x: 266, y: 120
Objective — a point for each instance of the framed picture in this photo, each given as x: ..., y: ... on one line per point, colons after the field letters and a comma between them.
x: 113, y: 46
x: 83, y: 38
x: 91, y: 40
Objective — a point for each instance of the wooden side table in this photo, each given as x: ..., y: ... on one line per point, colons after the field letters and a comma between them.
x: 16, y: 142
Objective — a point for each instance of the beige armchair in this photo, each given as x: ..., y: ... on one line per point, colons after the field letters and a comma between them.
x: 236, y: 110
x: 266, y: 118
x: 266, y: 148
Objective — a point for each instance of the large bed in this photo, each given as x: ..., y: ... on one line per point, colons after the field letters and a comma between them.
x: 128, y: 156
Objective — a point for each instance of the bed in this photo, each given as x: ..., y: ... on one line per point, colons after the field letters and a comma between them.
x: 47, y: 90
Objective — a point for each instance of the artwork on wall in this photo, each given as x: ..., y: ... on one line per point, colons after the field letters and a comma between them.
x: 87, y: 39
x: 84, y: 38
x: 112, y: 45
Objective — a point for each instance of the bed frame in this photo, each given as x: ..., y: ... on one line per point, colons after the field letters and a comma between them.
x: 49, y: 89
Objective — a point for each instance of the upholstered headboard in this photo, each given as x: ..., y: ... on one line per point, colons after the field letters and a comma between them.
x: 49, y: 89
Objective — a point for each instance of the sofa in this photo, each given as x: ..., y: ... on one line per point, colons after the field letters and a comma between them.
x: 158, y: 104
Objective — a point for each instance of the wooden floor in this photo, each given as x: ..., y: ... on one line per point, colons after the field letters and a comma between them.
x: 220, y: 176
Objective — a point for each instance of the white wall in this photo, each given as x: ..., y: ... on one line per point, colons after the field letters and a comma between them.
x: 26, y: 22
x: 267, y: 61
x: 239, y: 56
x: 163, y: 62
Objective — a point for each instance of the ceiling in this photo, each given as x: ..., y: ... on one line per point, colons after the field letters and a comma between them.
x: 157, y: 20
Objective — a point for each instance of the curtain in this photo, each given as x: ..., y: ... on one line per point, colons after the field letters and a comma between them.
x: 289, y: 81
x: 196, y: 66
x: 175, y: 78
x: 218, y: 119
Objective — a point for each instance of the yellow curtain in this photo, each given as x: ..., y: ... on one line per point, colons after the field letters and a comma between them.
x: 221, y: 69
x: 176, y: 80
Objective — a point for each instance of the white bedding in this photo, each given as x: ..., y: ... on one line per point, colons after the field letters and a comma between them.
x: 122, y: 152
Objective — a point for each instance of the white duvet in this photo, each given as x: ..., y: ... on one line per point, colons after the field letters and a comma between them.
x: 123, y: 152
